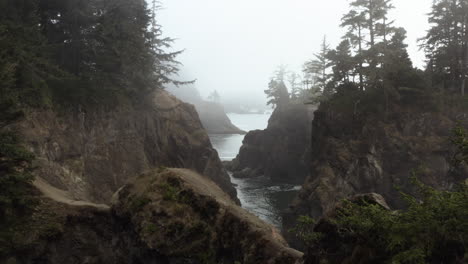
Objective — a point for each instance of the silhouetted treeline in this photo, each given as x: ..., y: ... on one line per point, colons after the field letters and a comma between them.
x: 81, y: 51
x: 372, y: 57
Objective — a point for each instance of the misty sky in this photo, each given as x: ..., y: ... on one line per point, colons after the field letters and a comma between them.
x: 234, y: 46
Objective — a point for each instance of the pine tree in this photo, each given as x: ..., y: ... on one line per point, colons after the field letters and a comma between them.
x: 355, y: 22
x: 277, y: 93
x: 446, y: 43
x: 368, y: 16
x: 317, y: 68
x: 342, y: 63
x: 399, y: 71
x: 295, y: 81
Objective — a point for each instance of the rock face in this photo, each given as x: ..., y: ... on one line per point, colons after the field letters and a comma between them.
x: 167, y: 216
x: 212, y: 115
x: 369, y: 154
x: 281, y: 151
x: 92, y: 154
x: 215, y: 120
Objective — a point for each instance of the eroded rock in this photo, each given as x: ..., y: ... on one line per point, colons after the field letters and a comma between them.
x: 90, y: 154
x: 281, y: 151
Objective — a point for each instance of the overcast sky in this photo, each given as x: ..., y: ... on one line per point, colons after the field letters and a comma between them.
x: 234, y: 46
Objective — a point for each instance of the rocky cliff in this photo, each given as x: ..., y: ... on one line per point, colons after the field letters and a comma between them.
x: 281, y: 151
x: 215, y: 119
x: 212, y: 115
x: 90, y: 154
x: 370, y: 153
x: 167, y: 216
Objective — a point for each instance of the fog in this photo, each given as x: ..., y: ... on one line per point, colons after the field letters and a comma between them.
x: 234, y: 46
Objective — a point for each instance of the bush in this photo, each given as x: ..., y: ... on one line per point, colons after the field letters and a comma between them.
x: 432, y: 230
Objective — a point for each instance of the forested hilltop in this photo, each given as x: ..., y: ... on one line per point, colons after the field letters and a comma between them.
x: 372, y: 58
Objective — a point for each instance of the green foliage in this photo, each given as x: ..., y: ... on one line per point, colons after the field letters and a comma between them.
x: 433, y: 228
x: 372, y: 58
x: 460, y: 140
x: 446, y: 45
x: 80, y: 52
x: 316, y: 70
x: 304, y: 230
x: 278, y: 93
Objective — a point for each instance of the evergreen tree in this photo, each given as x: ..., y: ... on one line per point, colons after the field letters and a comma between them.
x: 446, y: 44
x: 317, y: 68
x: 295, y: 81
x: 368, y: 16
x: 342, y: 62
x: 355, y: 22
x: 281, y: 73
x: 277, y: 93
x: 399, y: 70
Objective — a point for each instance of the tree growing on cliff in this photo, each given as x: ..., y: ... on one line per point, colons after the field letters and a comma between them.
x: 318, y: 68
x: 277, y: 93
x: 368, y: 30
x: 446, y: 44
x: 342, y: 64
x: 295, y: 86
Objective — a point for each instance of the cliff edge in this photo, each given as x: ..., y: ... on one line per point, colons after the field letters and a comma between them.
x: 91, y: 154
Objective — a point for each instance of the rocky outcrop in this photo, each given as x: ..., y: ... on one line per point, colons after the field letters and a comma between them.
x: 353, y: 154
x: 215, y: 120
x: 281, y: 151
x: 91, y: 154
x: 212, y: 115
x: 167, y: 216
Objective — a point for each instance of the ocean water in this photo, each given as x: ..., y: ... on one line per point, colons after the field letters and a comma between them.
x: 259, y: 195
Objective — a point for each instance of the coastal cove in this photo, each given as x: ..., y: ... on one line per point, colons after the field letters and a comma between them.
x: 261, y: 196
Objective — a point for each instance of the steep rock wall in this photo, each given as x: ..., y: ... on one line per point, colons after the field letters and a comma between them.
x: 281, y: 151
x: 90, y: 154
x: 370, y: 154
